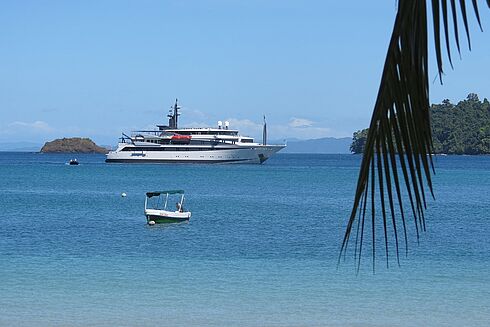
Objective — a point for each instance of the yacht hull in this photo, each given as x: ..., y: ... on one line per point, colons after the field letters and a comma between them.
x: 252, y: 155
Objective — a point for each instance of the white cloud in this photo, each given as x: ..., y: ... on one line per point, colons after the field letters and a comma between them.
x: 20, y: 131
x: 245, y: 125
x: 277, y: 132
x: 296, y: 128
x: 37, y: 131
x: 193, y: 113
x: 300, y: 122
x: 37, y: 126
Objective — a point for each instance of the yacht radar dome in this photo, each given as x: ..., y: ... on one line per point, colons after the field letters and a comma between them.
x: 227, y: 124
x: 220, y: 124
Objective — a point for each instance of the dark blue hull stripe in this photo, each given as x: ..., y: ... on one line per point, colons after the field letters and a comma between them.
x: 172, y: 161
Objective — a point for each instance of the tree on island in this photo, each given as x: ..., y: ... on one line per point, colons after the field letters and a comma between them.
x: 359, y: 141
x: 456, y: 129
x: 463, y: 128
x: 399, y: 142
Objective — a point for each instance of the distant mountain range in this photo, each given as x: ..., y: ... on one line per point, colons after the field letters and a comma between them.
x: 20, y: 146
x: 322, y: 145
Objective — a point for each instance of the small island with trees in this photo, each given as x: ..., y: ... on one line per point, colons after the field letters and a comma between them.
x: 463, y: 128
x: 73, y: 145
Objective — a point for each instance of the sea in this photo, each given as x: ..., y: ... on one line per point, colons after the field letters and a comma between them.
x: 261, y: 247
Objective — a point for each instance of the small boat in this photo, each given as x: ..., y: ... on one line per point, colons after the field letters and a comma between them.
x: 73, y: 162
x: 157, y: 211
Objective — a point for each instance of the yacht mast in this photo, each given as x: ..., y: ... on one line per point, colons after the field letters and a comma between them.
x: 264, y: 133
x: 173, y: 115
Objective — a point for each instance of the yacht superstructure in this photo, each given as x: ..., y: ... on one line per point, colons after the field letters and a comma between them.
x: 169, y: 144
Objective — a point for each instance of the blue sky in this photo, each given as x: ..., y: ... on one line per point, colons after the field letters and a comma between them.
x: 97, y: 68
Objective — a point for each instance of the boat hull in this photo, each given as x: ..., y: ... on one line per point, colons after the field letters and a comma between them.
x: 164, y: 220
x: 164, y: 216
x: 250, y: 155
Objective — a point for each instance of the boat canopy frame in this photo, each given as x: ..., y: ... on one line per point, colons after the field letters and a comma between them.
x: 165, y: 194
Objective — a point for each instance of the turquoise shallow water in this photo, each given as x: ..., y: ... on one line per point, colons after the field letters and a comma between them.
x: 259, y: 250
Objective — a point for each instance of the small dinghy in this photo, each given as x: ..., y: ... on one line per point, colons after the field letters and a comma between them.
x: 73, y: 162
x: 156, y: 210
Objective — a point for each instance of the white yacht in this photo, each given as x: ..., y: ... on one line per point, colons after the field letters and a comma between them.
x: 170, y: 144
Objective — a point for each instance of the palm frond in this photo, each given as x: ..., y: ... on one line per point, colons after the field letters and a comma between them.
x: 399, y: 142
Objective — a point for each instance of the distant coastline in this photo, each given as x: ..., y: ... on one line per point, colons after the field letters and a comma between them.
x: 461, y: 129
x: 327, y: 145
x: 20, y: 147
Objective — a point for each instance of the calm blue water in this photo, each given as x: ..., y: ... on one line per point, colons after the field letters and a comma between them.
x: 260, y: 249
